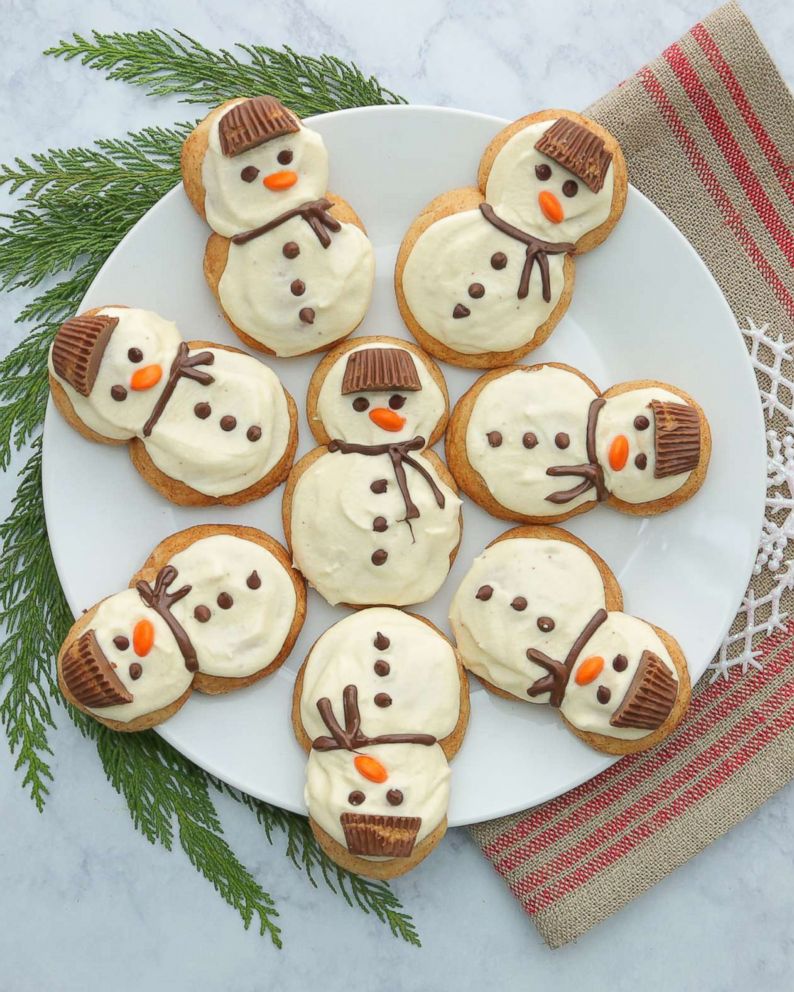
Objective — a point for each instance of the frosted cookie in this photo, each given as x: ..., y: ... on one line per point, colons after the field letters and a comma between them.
x: 485, y: 273
x: 205, y: 423
x: 372, y: 517
x: 539, y: 618
x: 381, y: 704
x: 289, y: 263
x: 540, y: 444
x: 214, y: 608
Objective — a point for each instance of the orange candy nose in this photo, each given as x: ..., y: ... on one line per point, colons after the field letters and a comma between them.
x: 143, y: 637
x: 619, y: 452
x: 387, y: 419
x: 370, y: 768
x: 146, y: 377
x: 551, y: 207
x: 281, y: 180
x: 589, y: 669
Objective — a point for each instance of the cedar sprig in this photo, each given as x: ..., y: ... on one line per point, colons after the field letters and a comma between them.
x: 174, y: 63
x: 76, y: 205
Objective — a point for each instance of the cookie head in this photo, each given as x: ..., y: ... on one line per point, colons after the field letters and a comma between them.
x: 555, y: 177
x: 380, y: 393
x: 260, y: 162
x: 380, y: 802
x: 649, y: 440
x: 624, y: 683
x: 127, y: 663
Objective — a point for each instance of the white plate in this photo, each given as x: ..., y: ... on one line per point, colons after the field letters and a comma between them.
x: 644, y: 307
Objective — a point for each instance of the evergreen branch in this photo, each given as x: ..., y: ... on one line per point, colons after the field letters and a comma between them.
x: 36, y: 619
x: 174, y: 63
x: 161, y: 787
x: 302, y: 849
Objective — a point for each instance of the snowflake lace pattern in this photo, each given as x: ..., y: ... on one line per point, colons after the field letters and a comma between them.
x: 761, y: 614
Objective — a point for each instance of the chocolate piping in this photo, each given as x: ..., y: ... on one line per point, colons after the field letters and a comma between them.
x: 314, y: 212
x: 352, y: 737
x: 183, y: 366
x: 559, y: 672
x: 398, y: 452
x: 537, y: 250
x: 161, y: 601
x: 592, y: 474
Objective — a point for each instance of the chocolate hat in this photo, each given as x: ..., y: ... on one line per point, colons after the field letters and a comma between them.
x: 677, y: 440
x: 87, y: 674
x: 252, y: 123
x: 380, y: 370
x: 577, y: 149
x: 650, y: 697
x: 78, y: 349
x: 380, y: 836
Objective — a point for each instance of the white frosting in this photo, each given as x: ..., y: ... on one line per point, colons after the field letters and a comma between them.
x: 421, y: 773
x: 616, y: 417
x: 559, y: 581
x: 164, y: 676
x: 333, y: 510
x: 422, y: 410
x: 245, y: 638
x: 158, y: 340
x: 513, y: 188
x: 183, y: 446
x: 455, y: 252
x: 203, y: 455
x: 619, y: 634
x: 233, y: 205
x: 255, y: 286
x: 546, y: 401
x: 422, y: 681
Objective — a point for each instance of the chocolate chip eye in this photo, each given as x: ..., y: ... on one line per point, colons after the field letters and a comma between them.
x: 249, y: 173
x: 641, y: 423
x: 135, y: 355
x: 285, y: 157
x: 394, y: 797
x: 360, y: 404
x: 543, y: 172
x: 356, y: 798
x: 570, y: 187
x: 397, y: 402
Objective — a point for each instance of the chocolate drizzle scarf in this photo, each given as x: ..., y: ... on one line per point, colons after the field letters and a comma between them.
x: 591, y: 473
x: 161, y: 601
x: 537, y: 251
x: 352, y: 737
x: 556, y: 681
x: 398, y: 453
x: 314, y: 212
x: 182, y: 367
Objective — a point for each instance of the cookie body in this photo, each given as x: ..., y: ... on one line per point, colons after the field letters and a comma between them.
x: 540, y: 444
x: 290, y: 265
x: 381, y: 704
x: 484, y: 275
x: 206, y: 423
x: 539, y: 618
x: 214, y: 608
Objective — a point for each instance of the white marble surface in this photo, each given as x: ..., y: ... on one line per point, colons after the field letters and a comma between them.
x: 85, y: 903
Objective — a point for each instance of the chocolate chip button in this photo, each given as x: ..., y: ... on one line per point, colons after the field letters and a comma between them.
x: 202, y: 410
x: 382, y: 699
x: 379, y: 556
x: 562, y: 440
x: 498, y: 260
x: 379, y: 486
x: 476, y: 291
x: 379, y: 525
x: 225, y: 601
x: 382, y: 667
x: 118, y: 393
x: 460, y: 311
x: 519, y: 604
x: 494, y: 438
x: 530, y: 440
x: 290, y: 250
x: 202, y: 614
x: 297, y: 287
x: 381, y: 641
x: 253, y: 433
x: 306, y: 315
x: 228, y: 423
x: 253, y: 581
x: 484, y: 593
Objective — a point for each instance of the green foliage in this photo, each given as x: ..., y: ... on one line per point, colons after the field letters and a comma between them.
x: 167, y: 63
x: 75, y: 206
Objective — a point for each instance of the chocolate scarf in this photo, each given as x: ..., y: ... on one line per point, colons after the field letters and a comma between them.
x: 591, y: 473
x: 183, y: 366
x: 559, y: 672
x: 537, y: 251
x: 352, y: 737
x: 161, y: 601
x: 314, y: 212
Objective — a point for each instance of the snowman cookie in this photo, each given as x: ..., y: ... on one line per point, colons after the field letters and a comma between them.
x: 205, y: 423
x: 289, y: 263
x: 539, y: 618
x: 540, y: 443
x: 485, y: 273
x: 214, y: 608
x: 372, y: 517
x: 381, y: 705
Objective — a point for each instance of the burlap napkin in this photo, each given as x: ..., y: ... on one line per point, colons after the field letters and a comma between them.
x: 708, y: 132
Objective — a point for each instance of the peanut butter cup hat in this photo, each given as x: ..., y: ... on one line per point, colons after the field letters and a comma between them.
x: 87, y: 674
x: 78, y: 348
x: 677, y: 440
x: 253, y: 122
x: 380, y: 370
x: 373, y: 835
x: 577, y: 149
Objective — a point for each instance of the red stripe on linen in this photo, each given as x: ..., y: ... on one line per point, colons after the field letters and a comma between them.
x: 712, y: 52
x: 731, y: 150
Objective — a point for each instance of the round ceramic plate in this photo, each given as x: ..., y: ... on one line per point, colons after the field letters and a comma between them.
x: 644, y: 307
